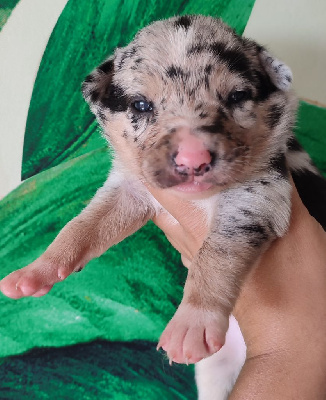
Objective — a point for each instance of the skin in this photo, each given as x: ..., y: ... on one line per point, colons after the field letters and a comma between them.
x: 281, y: 309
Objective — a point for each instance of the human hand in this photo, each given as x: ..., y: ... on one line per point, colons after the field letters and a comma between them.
x: 282, y: 314
x: 281, y: 309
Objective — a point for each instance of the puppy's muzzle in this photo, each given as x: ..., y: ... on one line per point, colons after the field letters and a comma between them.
x: 180, y: 156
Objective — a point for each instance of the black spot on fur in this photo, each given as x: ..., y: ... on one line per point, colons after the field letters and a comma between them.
x: 190, y: 92
x: 246, y: 212
x: 101, y: 115
x: 95, y: 95
x: 255, y: 234
x: 249, y: 189
x: 274, y: 115
x: 236, y: 60
x: 183, y: 22
x: 89, y: 78
x: 153, y: 120
x: 278, y: 164
x: 312, y: 190
x: 94, y: 85
x: 253, y: 229
x: 222, y: 114
x: 219, y: 96
x: 176, y: 72
x: 207, y: 71
x: 203, y: 114
x: 216, y: 127
x: 127, y: 54
x: 89, y: 89
x: 196, y: 49
x: 107, y: 67
x: 136, y: 117
x: 115, y: 99
x: 264, y: 86
x: 264, y: 182
x: 293, y: 144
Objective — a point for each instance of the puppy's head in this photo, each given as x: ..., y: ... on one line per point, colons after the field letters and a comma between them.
x: 192, y: 106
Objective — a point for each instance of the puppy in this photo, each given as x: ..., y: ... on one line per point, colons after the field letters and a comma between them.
x: 192, y: 108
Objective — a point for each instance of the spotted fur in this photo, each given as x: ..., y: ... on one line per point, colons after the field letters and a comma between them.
x: 193, y: 73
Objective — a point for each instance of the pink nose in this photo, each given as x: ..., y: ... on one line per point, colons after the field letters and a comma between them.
x: 192, y: 153
x: 193, y: 160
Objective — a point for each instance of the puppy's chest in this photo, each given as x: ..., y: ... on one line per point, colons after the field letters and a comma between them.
x: 196, y: 217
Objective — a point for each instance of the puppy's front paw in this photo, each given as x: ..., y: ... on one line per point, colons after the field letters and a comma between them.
x: 35, y: 280
x: 193, y: 334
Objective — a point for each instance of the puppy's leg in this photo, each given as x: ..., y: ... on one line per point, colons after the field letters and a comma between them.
x: 216, y: 375
x: 248, y: 219
x: 118, y: 209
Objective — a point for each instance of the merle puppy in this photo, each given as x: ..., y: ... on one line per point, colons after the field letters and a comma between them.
x: 194, y: 109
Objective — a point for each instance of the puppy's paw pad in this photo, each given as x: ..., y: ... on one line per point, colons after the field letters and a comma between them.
x: 193, y: 334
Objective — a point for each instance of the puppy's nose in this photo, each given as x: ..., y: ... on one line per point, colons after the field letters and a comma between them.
x: 192, y: 155
x: 195, y: 161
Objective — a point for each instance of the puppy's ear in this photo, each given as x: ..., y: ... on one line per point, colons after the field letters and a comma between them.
x: 279, y: 73
x: 95, y: 85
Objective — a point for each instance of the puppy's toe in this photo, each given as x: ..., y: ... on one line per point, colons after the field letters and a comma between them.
x: 193, y: 334
x: 35, y: 280
x: 43, y: 291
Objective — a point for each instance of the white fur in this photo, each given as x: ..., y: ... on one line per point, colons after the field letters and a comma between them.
x: 216, y: 375
x: 208, y: 205
x: 280, y: 73
x: 300, y: 161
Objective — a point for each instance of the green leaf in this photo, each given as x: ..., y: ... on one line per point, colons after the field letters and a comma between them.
x: 310, y: 131
x: 6, y: 7
x: 94, y: 371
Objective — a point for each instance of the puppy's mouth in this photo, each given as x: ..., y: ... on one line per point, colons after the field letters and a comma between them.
x: 193, y: 186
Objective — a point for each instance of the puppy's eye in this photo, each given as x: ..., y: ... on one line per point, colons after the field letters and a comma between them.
x: 142, y: 106
x: 239, y: 96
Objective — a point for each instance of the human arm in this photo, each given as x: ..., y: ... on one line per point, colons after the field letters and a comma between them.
x: 281, y: 309
x: 282, y: 314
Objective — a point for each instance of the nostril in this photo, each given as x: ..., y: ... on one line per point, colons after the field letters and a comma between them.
x: 182, y: 169
x: 202, y: 169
